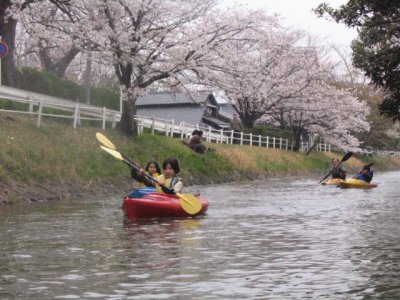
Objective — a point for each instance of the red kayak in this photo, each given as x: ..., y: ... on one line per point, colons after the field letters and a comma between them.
x: 146, y: 203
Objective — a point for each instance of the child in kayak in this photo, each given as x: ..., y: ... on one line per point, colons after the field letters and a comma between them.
x: 366, y: 174
x: 152, y: 169
x: 337, y: 171
x: 169, y: 181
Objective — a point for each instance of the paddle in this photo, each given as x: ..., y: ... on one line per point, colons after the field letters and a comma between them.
x: 188, y: 202
x: 345, y: 157
x: 107, y: 143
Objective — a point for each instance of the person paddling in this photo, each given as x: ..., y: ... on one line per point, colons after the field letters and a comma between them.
x: 169, y: 182
x: 366, y: 174
x: 152, y: 169
x: 337, y: 170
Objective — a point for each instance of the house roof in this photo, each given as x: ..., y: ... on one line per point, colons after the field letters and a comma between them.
x: 187, y: 114
x: 172, y: 98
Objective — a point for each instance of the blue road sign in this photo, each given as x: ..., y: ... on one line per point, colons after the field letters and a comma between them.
x: 3, y: 49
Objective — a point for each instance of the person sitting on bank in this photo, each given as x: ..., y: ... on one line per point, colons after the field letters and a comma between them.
x: 366, y: 174
x: 237, y: 126
x: 338, y: 171
x: 195, y: 142
x: 169, y: 182
x: 152, y: 169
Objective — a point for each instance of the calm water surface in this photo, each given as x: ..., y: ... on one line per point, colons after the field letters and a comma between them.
x: 279, y: 239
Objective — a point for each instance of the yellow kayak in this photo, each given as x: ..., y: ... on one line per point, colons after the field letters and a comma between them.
x: 333, y: 181
x: 356, y: 183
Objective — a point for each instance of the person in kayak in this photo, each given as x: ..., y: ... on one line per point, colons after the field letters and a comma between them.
x: 169, y: 182
x: 337, y: 171
x: 366, y: 174
x: 152, y: 169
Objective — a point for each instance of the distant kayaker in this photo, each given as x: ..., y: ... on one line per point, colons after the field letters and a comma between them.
x: 152, y: 169
x: 366, y: 174
x: 337, y: 171
x: 169, y: 181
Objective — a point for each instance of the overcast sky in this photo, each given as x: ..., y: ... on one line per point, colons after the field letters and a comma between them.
x: 298, y: 15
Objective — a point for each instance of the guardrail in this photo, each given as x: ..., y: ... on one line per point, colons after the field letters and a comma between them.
x: 184, y: 131
x: 79, y: 111
x: 36, y: 103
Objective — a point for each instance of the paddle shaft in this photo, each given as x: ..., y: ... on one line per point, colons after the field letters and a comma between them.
x: 135, y: 166
x: 345, y: 157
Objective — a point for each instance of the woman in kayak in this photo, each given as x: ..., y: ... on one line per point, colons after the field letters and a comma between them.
x: 169, y: 181
x: 152, y: 169
x: 337, y: 171
x: 366, y: 174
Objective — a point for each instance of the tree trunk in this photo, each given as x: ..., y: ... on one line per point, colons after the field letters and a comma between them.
x: 128, y: 125
x: 297, y: 139
x: 314, y: 144
x: 10, y: 74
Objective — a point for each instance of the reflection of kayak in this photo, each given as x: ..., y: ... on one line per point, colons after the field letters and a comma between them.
x: 333, y: 181
x: 356, y: 183
x: 146, y: 203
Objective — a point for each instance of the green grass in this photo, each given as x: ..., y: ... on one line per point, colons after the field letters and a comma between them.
x: 57, y: 154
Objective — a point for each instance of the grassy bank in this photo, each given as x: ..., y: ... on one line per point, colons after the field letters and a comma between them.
x: 56, y: 161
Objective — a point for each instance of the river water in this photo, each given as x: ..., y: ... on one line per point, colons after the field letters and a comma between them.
x: 278, y: 239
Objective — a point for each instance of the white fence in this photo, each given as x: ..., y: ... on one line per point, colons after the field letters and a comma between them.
x: 184, y: 131
x: 36, y: 103
x: 78, y: 111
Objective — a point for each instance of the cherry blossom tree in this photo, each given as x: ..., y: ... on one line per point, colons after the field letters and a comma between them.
x: 8, y: 23
x: 53, y: 49
x: 149, y: 41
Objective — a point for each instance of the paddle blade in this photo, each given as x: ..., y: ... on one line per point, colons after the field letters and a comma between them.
x: 347, y: 156
x: 189, y: 203
x: 105, y: 141
x: 114, y: 153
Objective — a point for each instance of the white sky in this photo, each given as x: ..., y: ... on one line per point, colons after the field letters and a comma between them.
x: 298, y: 15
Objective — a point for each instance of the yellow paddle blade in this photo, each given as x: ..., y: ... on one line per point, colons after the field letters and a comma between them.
x: 114, y: 153
x: 189, y: 203
x: 105, y: 141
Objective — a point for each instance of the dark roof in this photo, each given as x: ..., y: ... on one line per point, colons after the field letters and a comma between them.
x: 171, y: 98
x: 190, y: 115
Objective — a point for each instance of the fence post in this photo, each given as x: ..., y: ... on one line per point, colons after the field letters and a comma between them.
x: 273, y: 142
x: 287, y: 144
x: 172, y: 127
x: 329, y: 149
x: 280, y: 143
x: 152, y: 125
x: 104, y: 118
x: 259, y: 140
x: 251, y: 139
x: 209, y: 134
x: 241, y: 138
x: 39, y: 113
x: 182, y: 125
x: 231, y: 137
x: 30, y: 103
x: 267, y: 145
x: 221, y: 135
x: 76, y: 115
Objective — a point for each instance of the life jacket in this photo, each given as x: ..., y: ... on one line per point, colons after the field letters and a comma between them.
x: 146, y: 182
x: 169, y: 182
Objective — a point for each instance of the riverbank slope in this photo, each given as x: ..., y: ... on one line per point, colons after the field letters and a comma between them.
x: 56, y: 161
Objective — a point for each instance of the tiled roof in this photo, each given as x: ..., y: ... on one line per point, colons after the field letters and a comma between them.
x: 168, y: 98
x: 190, y: 115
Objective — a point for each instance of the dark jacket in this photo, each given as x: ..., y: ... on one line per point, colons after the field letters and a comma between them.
x: 339, y: 173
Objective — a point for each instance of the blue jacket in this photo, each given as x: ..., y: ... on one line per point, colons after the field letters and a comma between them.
x: 367, y: 177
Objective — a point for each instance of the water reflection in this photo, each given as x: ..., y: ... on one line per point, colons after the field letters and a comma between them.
x: 279, y: 239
